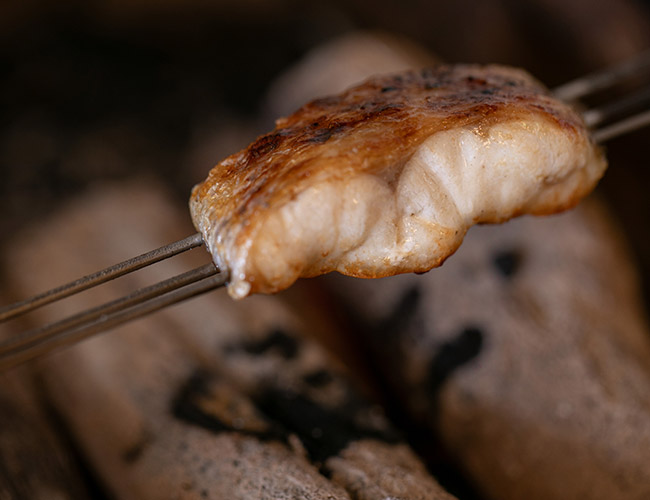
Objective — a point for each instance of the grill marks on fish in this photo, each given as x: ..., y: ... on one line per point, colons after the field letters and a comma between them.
x: 458, y: 99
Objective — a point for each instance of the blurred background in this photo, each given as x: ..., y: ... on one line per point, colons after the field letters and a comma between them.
x: 101, y: 91
x: 111, y: 89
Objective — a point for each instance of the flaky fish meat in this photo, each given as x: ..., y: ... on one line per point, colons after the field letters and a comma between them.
x: 387, y: 177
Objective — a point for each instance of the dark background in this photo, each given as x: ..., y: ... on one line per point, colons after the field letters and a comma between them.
x: 97, y: 91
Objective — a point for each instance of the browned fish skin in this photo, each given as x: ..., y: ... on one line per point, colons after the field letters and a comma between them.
x: 374, y: 128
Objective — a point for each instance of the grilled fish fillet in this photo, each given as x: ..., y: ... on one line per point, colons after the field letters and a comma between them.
x: 387, y: 177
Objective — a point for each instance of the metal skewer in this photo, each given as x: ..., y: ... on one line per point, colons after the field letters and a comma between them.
x: 30, y: 344
x: 11, y: 356
x: 623, y: 127
x: 600, y: 80
x: 608, y: 121
x: 105, y: 311
x: 94, y: 279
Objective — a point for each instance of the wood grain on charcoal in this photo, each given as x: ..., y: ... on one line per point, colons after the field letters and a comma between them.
x: 528, y: 353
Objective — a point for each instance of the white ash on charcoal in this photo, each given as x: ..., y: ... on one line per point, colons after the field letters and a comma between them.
x: 209, y: 399
x: 527, y: 353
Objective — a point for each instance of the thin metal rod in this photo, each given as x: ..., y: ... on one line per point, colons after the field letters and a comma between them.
x: 636, y: 101
x: 91, y: 280
x: 108, y: 321
x: 600, y: 80
x: 623, y: 127
x: 17, y: 342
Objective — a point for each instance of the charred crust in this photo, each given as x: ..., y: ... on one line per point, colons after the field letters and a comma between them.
x: 323, y: 134
x: 277, y: 341
x: 453, y: 354
x: 508, y: 262
x: 318, y: 378
x: 400, y: 317
x: 263, y: 146
x: 187, y: 406
x: 324, y: 431
x: 475, y: 80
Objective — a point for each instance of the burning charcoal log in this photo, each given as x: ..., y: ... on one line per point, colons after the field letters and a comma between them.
x: 527, y: 353
x: 338, y: 64
x: 34, y: 462
x: 211, y: 399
